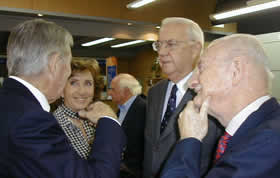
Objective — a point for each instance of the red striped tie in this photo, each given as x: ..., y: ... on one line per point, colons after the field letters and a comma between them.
x: 222, y: 146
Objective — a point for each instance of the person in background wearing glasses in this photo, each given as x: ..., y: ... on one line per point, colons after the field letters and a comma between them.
x: 180, y: 45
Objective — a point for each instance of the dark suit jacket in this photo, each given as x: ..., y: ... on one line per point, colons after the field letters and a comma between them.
x: 253, y: 151
x: 133, y: 126
x: 159, y: 146
x: 34, y: 145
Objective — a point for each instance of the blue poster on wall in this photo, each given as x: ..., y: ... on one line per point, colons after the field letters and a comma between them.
x: 111, y: 73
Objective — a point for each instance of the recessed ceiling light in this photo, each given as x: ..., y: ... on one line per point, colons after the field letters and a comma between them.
x: 40, y: 15
x: 95, y: 42
x: 138, y: 3
x: 128, y: 43
x: 158, y: 27
x: 245, y: 10
x: 220, y: 26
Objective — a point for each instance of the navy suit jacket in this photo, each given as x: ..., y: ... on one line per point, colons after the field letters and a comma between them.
x: 133, y: 126
x: 34, y: 145
x: 253, y: 151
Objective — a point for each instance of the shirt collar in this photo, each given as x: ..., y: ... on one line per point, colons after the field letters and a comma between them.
x: 182, y: 84
x: 127, y: 104
x: 237, y: 120
x: 36, y: 93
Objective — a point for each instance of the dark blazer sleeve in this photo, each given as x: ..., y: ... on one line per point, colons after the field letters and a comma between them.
x: 40, y: 149
x: 258, y: 157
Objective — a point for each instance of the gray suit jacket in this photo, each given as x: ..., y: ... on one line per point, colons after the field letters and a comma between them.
x: 159, y: 146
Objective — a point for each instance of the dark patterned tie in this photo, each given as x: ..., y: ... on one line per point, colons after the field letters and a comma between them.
x: 222, y: 146
x: 171, y: 106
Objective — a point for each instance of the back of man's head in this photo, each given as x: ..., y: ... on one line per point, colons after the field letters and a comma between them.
x: 130, y: 82
x: 32, y: 42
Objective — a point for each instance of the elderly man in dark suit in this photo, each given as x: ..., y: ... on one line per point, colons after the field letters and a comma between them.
x: 126, y: 92
x: 179, y: 46
x: 32, y: 142
x: 232, y: 82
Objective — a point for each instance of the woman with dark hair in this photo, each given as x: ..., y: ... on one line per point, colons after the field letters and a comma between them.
x: 81, y: 89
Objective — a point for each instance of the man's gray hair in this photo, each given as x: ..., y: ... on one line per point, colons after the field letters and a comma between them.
x: 130, y: 82
x: 32, y: 42
x: 195, y: 32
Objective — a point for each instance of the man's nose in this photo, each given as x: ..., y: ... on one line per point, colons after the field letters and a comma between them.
x: 163, y: 50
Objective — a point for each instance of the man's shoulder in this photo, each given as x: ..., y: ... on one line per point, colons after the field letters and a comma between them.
x: 159, y: 86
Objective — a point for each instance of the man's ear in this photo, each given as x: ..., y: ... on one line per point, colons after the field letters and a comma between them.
x: 53, y: 61
x: 238, y: 69
x: 196, y: 49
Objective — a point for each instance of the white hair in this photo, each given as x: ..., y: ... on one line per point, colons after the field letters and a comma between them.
x: 130, y: 82
x: 32, y: 42
x: 195, y: 32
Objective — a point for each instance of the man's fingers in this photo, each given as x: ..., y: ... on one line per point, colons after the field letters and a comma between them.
x: 83, y: 114
x: 204, y: 108
x: 190, y: 105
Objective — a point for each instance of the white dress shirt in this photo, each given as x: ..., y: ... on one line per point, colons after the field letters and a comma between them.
x: 182, y: 88
x: 36, y: 93
x: 237, y: 120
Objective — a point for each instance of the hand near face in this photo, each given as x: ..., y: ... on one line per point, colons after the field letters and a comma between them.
x: 194, y: 123
x: 97, y: 110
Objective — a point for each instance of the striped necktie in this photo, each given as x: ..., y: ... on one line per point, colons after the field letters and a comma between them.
x: 171, y: 106
x: 222, y: 145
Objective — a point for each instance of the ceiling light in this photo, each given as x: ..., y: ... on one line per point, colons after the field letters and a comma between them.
x: 128, y: 43
x: 220, y: 26
x: 245, y: 10
x: 40, y: 15
x: 138, y: 3
x: 129, y: 23
x: 102, y: 40
x: 158, y: 27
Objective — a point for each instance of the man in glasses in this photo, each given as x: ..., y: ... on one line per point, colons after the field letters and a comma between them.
x: 179, y: 46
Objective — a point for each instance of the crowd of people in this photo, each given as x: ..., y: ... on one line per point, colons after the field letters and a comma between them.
x: 211, y: 117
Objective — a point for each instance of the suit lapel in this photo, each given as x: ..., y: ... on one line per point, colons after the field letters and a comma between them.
x: 173, y: 120
x: 161, y: 97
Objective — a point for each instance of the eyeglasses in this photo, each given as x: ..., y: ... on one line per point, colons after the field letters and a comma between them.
x: 170, y: 44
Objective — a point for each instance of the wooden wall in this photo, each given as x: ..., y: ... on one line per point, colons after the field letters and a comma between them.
x: 198, y: 10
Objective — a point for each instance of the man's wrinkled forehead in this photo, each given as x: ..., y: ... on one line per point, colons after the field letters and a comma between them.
x: 174, y: 31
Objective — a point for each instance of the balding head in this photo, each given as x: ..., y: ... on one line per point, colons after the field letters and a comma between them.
x: 233, y: 72
x: 250, y: 49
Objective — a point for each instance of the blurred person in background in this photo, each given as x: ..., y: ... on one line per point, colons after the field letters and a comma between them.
x: 126, y: 92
